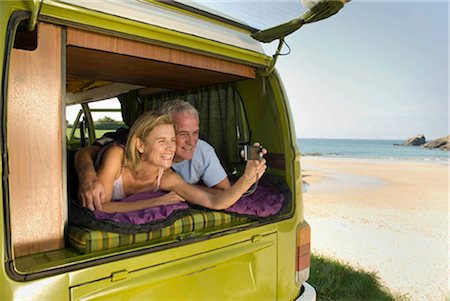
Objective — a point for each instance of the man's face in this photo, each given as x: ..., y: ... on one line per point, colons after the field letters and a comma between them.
x: 187, y: 130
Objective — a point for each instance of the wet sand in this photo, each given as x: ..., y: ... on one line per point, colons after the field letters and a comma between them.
x: 386, y: 216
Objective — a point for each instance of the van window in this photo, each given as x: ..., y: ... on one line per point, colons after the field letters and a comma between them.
x: 92, y: 119
x: 107, y: 116
x: 124, y: 84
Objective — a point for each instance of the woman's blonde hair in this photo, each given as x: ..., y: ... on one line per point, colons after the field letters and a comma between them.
x: 140, y: 129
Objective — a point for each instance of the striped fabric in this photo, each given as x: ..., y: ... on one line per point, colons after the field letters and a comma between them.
x: 87, y: 241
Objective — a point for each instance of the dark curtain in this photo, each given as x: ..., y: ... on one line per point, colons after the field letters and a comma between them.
x: 217, y: 106
x: 131, y: 107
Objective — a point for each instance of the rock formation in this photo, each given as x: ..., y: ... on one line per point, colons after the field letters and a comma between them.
x: 441, y: 143
x: 414, y: 141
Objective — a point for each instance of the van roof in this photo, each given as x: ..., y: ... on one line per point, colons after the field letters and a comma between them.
x: 192, y: 19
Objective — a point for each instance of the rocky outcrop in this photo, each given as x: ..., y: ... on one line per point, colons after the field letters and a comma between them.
x: 441, y: 143
x: 414, y: 141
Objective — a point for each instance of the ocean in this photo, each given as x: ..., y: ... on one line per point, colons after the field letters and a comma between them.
x: 368, y: 149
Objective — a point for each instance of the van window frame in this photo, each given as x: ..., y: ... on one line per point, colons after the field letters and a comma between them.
x: 13, y: 24
x: 84, y: 116
x: 81, y: 261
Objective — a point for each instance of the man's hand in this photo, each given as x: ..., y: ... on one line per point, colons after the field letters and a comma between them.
x: 256, y: 168
x: 91, y: 193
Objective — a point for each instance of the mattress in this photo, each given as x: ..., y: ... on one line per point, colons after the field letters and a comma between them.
x: 86, y: 240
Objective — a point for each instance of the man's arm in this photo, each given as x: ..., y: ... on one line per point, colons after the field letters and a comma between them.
x: 214, y: 175
x: 91, y: 191
x: 223, y: 185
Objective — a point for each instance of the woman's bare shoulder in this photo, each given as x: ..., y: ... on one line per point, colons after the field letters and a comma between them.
x: 171, y: 178
x: 171, y: 174
x: 112, y: 158
x: 114, y: 151
x: 116, y: 148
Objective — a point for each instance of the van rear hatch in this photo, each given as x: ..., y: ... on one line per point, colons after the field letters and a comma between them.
x: 240, y: 271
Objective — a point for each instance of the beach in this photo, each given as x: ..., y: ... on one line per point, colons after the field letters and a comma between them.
x: 386, y: 216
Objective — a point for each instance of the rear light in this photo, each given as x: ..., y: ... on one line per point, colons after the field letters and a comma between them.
x: 303, y: 251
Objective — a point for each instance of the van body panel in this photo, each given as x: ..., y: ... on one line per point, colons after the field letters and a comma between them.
x: 50, y: 288
x: 242, y: 271
x: 151, y: 258
x: 153, y: 13
x: 286, y: 289
x: 74, y: 15
x: 267, y: 96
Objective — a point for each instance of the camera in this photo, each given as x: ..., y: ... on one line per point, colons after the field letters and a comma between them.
x: 252, y: 152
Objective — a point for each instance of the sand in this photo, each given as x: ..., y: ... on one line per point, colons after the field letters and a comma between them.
x: 390, y: 217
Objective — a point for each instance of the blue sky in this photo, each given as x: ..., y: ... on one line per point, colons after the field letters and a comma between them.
x: 376, y: 70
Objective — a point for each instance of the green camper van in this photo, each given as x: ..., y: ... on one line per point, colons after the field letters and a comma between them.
x: 62, y: 53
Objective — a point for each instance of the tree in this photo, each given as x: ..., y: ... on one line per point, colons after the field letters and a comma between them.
x: 106, y: 119
x: 107, y: 123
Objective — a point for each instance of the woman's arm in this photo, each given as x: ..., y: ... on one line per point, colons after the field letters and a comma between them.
x: 221, y: 199
x: 170, y: 198
x: 110, y: 169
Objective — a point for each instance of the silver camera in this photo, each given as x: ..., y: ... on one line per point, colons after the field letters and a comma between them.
x: 252, y: 152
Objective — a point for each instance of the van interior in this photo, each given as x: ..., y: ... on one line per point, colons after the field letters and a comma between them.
x: 78, y: 67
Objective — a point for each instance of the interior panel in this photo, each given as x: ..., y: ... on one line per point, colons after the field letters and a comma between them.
x: 34, y: 95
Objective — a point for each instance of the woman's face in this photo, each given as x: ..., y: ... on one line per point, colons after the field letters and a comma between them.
x: 159, y: 146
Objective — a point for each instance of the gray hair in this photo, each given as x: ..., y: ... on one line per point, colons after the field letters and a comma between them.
x: 178, y: 106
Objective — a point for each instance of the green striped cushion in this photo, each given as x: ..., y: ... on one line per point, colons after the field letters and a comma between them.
x: 87, y: 241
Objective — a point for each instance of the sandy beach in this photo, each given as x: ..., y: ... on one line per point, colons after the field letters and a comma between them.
x: 386, y: 216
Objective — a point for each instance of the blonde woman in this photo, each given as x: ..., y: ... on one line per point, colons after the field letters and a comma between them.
x: 144, y: 164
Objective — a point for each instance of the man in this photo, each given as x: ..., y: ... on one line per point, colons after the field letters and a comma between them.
x: 195, y: 160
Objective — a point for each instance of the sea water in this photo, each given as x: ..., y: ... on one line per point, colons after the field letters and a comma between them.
x: 372, y: 149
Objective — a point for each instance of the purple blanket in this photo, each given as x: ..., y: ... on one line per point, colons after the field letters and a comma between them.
x: 142, y: 216
x: 266, y: 201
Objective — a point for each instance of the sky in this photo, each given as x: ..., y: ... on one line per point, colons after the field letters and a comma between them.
x: 376, y: 70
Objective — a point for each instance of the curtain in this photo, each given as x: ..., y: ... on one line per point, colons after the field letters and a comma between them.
x: 131, y: 107
x: 217, y: 107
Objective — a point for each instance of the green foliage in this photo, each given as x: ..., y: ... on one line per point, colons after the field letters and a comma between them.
x: 107, y: 123
x: 105, y: 119
x: 335, y: 281
x: 98, y: 133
